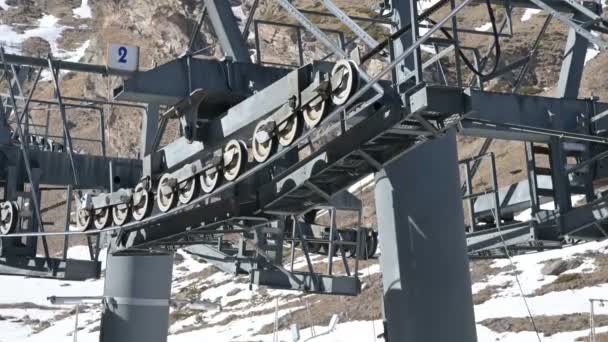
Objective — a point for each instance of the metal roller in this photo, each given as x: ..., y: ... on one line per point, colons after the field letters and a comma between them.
x: 9, y: 216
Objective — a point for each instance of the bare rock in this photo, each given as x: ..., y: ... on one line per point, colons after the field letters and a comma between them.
x: 233, y: 292
x: 36, y: 47
x: 557, y: 267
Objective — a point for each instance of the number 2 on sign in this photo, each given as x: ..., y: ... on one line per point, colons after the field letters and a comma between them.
x: 122, y: 54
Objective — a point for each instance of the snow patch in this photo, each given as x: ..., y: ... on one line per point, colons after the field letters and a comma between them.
x: 485, y: 334
x: 484, y: 27
x: 69, y: 56
x: 3, y: 5
x: 529, y: 13
x: 355, y: 331
x: 240, y: 16
x: 425, y: 4
x: 591, y: 54
x: 84, y: 11
x: 368, y: 271
x: 508, y: 302
x: 75, y: 55
x: 48, y: 29
x: 593, y: 51
x: 36, y: 290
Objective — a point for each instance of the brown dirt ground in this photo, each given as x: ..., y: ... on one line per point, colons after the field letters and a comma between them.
x: 602, y: 337
x: 365, y: 306
x: 488, y: 293
x: 548, y: 325
x: 569, y: 281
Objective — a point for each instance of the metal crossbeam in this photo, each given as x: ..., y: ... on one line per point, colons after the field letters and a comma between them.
x: 350, y: 23
x: 324, y: 39
x: 576, y: 27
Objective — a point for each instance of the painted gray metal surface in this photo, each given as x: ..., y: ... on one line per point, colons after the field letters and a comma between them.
x: 168, y: 83
x: 63, y: 65
x: 93, y: 170
x: 317, y: 283
x: 401, y: 16
x: 149, y: 126
x: 227, y: 30
x: 425, y: 269
x: 492, y: 239
x: 571, y: 71
x: 513, y: 198
x: 588, y: 221
x: 138, y: 288
x: 225, y: 262
x: 70, y: 269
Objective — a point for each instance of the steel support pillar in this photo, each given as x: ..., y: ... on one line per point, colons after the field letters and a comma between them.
x: 571, y: 72
x: 137, y: 290
x: 425, y: 268
x: 4, y: 127
x: 149, y: 127
x: 402, y: 16
x: 568, y: 86
x: 227, y: 30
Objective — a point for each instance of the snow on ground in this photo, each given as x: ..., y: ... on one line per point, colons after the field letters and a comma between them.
x: 75, y: 55
x: 508, y: 302
x: 29, y: 289
x: 593, y: 50
x: 84, y: 11
x: 241, y: 19
x: 3, y: 5
x: 591, y: 54
x: 484, y: 27
x: 356, y: 331
x: 529, y: 13
x: 245, y: 311
x: 484, y: 334
x: 423, y: 5
x: 48, y: 29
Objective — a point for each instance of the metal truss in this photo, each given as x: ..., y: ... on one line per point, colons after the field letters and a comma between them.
x: 397, y: 118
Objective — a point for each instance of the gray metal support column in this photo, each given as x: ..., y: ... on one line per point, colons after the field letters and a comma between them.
x: 4, y: 128
x: 149, y: 126
x: 227, y: 30
x: 137, y: 290
x: 425, y: 268
x: 573, y: 63
x: 402, y: 16
x: 568, y: 86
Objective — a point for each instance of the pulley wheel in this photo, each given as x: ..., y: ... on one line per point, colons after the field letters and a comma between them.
x: 289, y: 130
x: 101, y: 218
x: 120, y: 214
x: 165, y: 199
x: 372, y: 245
x: 84, y: 219
x: 8, y: 217
x: 209, y: 181
x: 141, y: 205
x: 347, y: 84
x: 263, y: 143
x: 235, y: 158
x: 313, y: 112
x: 188, y: 190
